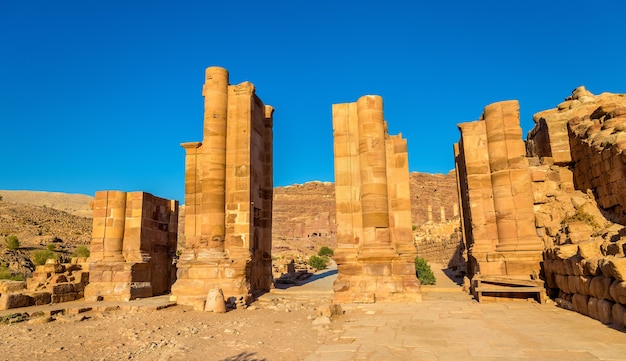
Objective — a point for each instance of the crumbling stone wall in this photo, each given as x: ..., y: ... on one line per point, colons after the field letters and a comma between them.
x: 375, y: 254
x: 583, y: 229
x: 52, y: 282
x: 228, y: 197
x: 133, y: 246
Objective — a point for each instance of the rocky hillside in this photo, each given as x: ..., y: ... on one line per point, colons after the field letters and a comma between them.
x: 36, y: 227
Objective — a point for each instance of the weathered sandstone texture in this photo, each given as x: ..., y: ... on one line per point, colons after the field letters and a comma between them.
x: 375, y: 253
x: 228, y: 197
x: 496, y: 195
x: 133, y: 246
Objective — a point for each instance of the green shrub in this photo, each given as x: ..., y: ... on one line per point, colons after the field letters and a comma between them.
x: 424, y: 273
x: 81, y: 251
x: 325, y: 251
x: 12, y: 242
x: 581, y: 216
x: 39, y: 257
x: 5, y: 274
x: 318, y: 263
x: 51, y: 246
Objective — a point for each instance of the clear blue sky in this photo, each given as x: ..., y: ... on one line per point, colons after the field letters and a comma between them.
x: 99, y: 95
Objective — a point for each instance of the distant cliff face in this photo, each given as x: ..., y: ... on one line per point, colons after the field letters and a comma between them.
x: 306, y: 212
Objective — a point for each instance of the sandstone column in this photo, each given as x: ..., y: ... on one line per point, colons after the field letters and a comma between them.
x: 115, y: 223
x: 512, y: 190
x: 372, y: 157
x: 213, y: 161
x: 375, y: 254
x: 228, y: 193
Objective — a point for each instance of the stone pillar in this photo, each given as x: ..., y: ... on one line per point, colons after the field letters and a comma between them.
x: 375, y: 255
x: 429, y: 211
x: 372, y: 157
x: 115, y: 223
x: 193, y: 197
x: 213, y: 161
x: 442, y: 213
x: 512, y: 187
x: 228, y: 182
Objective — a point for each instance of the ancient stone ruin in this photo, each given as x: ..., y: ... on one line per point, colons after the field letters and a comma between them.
x: 228, y: 197
x: 495, y: 190
x: 375, y: 254
x: 133, y: 246
x: 571, y: 176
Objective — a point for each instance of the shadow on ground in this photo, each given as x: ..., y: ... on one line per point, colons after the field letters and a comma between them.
x: 315, y: 277
x: 244, y: 356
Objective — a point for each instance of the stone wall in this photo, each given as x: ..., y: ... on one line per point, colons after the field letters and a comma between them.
x: 589, y: 278
x: 133, y: 246
x: 228, y: 197
x: 441, y: 243
x: 375, y: 253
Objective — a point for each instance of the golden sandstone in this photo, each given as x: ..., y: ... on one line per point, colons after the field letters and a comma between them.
x: 375, y: 254
x: 228, y: 197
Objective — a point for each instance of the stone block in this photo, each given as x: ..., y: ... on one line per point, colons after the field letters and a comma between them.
x: 618, y: 314
x: 616, y: 268
x: 592, y: 308
x: 581, y: 304
x: 7, y: 286
x: 617, y: 291
x: 605, y: 308
x: 590, y: 248
x: 600, y: 287
x: 591, y: 267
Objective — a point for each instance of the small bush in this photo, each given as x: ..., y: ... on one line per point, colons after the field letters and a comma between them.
x: 325, y: 251
x: 12, y: 242
x: 51, y: 246
x: 81, y: 251
x: 319, y: 263
x: 581, y: 216
x: 39, y: 257
x: 424, y: 273
x: 5, y: 274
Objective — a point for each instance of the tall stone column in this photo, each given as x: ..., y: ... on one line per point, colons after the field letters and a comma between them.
x: 510, y: 178
x: 193, y: 198
x: 372, y: 157
x: 375, y: 255
x: 213, y: 160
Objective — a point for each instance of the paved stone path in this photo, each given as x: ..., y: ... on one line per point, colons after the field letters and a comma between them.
x: 450, y: 325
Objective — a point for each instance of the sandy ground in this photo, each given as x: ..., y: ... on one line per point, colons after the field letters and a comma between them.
x: 284, y: 325
x: 176, y: 333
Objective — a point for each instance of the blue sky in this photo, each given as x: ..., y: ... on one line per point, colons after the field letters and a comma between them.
x: 99, y: 95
